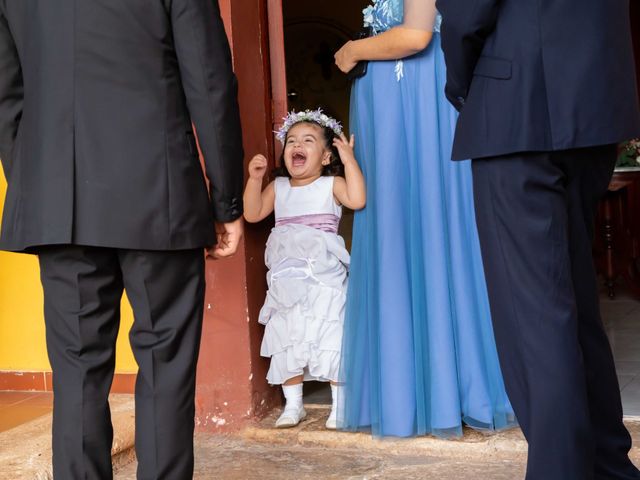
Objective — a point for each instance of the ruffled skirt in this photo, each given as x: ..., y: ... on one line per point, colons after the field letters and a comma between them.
x: 304, y: 308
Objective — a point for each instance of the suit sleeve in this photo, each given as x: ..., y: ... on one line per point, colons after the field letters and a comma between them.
x: 11, y: 94
x: 211, y: 90
x: 466, y: 24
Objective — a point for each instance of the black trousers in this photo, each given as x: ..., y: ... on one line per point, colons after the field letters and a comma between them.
x: 83, y: 287
x: 535, y: 214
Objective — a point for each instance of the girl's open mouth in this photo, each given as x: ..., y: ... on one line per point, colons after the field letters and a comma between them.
x: 298, y: 159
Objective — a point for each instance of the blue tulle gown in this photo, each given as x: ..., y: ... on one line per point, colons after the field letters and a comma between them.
x: 419, y: 356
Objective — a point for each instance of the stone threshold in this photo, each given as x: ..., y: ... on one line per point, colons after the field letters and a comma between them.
x: 25, y: 451
x: 474, y: 445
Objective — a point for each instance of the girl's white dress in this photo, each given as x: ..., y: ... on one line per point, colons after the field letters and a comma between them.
x: 307, y: 279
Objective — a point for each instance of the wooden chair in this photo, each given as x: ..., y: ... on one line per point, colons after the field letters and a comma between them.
x: 617, y: 242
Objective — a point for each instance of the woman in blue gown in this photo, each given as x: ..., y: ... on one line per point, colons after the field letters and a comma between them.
x: 419, y: 355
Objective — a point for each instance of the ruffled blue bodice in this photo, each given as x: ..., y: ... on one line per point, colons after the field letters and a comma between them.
x: 382, y: 15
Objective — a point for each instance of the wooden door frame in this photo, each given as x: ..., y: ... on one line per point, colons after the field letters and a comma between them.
x: 232, y: 390
x: 279, y: 100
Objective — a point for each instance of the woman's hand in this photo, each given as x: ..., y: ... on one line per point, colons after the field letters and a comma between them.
x: 345, y: 148
x: 258, y: 167
x: 394, y: 44
x: 345, y: 59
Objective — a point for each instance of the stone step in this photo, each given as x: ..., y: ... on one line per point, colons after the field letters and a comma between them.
x: 506, y: 445
x: 25, y: 451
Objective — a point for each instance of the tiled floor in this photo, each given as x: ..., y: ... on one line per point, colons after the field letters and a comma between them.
x: 622, y: 320
x: 17, y: 408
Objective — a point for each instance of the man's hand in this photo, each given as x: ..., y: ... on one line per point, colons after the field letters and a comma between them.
x: 229, y: 236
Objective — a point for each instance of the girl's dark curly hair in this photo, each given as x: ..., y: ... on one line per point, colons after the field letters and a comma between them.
x: 335, y: 167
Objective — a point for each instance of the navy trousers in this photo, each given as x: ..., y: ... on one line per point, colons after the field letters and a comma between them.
x: 535, y: 214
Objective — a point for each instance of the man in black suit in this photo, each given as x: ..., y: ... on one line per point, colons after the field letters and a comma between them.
x: 545, y: 90
x: 97, y: 101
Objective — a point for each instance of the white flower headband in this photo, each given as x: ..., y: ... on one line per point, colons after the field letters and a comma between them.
x: 315, y: 116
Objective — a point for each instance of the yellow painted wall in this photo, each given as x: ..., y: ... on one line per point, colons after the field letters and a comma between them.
x: 22, y: 333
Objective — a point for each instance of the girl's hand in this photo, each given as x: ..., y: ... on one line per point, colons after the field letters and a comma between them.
x: 345, y: 60
x: 345, y: 148
x: 258, y: 167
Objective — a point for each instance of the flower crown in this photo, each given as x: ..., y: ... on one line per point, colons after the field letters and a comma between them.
x: 314, y: 116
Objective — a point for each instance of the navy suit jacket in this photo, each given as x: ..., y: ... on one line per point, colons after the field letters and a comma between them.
x: 539, y: 75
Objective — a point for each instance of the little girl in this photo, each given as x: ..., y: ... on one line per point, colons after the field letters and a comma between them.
x: 307, y: 259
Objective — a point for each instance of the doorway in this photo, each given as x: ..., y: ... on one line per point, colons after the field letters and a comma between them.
x: 304, y: 37
x: 313, y: 32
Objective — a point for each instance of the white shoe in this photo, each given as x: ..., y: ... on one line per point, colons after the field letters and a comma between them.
x: 291, y: 417
x: 332, y: 423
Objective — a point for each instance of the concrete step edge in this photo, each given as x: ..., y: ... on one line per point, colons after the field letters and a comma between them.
x: 503, y: 445
x: 25, y: 451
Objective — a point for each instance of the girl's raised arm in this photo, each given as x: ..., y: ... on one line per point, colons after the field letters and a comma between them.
x: 258, y: 203
x: 350, y: 191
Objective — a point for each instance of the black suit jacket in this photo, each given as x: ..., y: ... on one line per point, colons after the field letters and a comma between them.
x: 97, y: 100
x: 539, y: 75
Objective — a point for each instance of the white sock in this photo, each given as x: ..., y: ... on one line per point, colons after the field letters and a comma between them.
x: 293, y: 396
x: 336, y: 391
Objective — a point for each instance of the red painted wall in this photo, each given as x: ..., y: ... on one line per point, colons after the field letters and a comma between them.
x: 231, y: 385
